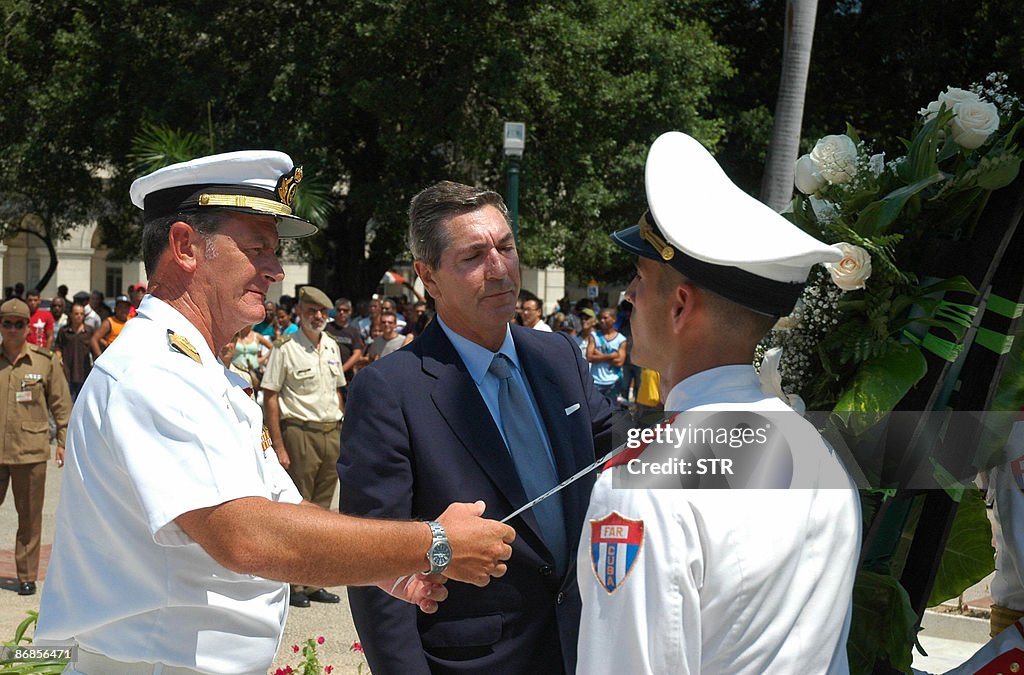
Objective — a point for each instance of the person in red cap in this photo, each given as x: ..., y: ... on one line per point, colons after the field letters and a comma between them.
x: 135, y: 293
x: 32, y: 387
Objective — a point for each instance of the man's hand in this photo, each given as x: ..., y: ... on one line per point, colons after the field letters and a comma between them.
x: 60, y: 456
x: 479, y: 546
x: 282, y: 456
x: 422, y: 590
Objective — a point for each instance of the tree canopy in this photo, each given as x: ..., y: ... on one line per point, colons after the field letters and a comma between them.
x: 379, y: 98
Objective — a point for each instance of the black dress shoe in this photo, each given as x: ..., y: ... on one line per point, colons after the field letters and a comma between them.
x: 29, y: 588
x: 322, y: 595
x: 299, y: 600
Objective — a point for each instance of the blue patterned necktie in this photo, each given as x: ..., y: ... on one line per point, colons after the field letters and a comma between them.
x: 532, y: 461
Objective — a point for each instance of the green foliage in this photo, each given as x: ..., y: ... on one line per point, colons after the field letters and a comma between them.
x: 156, y: 147
x: 47, y: 667
x: 860, y: 353
x: 310, y: 664
x: 870, y: 356
x: 883, y: 624
x: 375, y: 98
x: 969, y: 556
x: 878, y: 385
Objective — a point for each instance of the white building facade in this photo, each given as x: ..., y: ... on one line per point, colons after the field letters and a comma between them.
x: 83, y: 264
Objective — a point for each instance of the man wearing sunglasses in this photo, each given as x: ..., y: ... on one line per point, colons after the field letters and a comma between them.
x: 32, y: 385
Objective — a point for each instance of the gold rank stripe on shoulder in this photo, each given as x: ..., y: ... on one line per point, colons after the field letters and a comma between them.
x: 282, y: 340
x: 182, y: 345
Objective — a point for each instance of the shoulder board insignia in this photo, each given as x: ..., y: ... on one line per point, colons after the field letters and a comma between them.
x: 180, y: 344
x: 282, y: 340
x: 41, y: 350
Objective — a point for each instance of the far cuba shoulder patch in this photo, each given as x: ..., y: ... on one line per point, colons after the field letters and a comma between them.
x: 615, y: 544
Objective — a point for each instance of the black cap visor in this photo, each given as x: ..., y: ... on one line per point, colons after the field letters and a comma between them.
x: 761, y: 295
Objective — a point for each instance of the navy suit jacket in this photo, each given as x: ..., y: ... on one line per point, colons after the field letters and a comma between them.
x: 418, y: 436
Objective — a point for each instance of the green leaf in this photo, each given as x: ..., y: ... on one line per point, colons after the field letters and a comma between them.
x: 19, y: 633
x: 949, y: 149
x: 999, y: 174
x: 969, y: 556
x: 852, y: 133
x: 877, y: 216
x: 958, y: 283
x: 922, y: 155
x: 157, y: 146
x: 878, y: 385
x: 883, y: 624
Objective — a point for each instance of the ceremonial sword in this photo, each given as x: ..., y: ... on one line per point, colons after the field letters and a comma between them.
x: 568, y: 481
x: 579, y: 474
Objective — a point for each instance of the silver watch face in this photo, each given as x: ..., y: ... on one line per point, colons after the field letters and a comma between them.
x: 440, y: 554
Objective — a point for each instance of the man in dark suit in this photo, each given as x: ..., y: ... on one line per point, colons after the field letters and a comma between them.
x: 475, y: 409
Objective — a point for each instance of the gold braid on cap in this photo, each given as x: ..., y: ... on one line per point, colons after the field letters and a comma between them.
x: 649, y: 233
x: 246, y: 202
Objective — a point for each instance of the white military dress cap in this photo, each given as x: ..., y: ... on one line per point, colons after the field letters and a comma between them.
x: 260, y: 182
x: 717, y: 235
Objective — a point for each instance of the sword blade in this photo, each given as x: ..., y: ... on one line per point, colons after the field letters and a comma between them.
x: 561, y: 486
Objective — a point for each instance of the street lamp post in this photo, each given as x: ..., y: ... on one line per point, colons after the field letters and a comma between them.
x: 514, y: 141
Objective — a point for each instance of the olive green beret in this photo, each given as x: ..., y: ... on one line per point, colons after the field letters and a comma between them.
x: 314, y: 296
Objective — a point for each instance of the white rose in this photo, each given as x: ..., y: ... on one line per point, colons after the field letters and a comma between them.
x: 877, y: 164
x: 950, y: 97
x: 853, y: 270
x: 930, y: 111
x: 806, y: 178
x: 824, y: 211
x: 974, y: 122
x: 835, y: 158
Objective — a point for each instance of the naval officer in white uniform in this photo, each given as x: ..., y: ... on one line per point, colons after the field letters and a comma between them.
x: 177, y: 526
x: 716, y: 580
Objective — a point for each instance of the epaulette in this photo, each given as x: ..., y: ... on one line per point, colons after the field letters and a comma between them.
x: 41, y: 350
x: 179, y: 344
x: 282, y: 340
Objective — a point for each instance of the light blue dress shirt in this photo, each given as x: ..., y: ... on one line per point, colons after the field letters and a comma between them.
x: 478, y: 361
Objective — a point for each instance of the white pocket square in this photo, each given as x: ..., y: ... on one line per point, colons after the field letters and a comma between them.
x: 571, y: 409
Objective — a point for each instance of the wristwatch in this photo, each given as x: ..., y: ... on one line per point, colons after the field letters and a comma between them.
x: 440, y: 552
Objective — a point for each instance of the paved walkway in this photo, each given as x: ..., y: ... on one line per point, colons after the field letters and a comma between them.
x: 949, y: 640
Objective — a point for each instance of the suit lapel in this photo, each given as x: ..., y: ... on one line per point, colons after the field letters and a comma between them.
x: 463, y: 409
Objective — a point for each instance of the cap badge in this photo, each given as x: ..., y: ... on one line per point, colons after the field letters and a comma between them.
x: 650, y: 234
x: 181, y: 344
x: 287, y: 184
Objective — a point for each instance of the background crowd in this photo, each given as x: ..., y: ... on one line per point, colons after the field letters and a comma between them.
x: 75, y: 331
x: 82, y: 326
x: 370, y: 329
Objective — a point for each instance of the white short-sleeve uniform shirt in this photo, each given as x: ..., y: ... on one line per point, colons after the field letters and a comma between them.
x: 721, y: 581
x: 1006, y: 487
x: 155, y: 434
